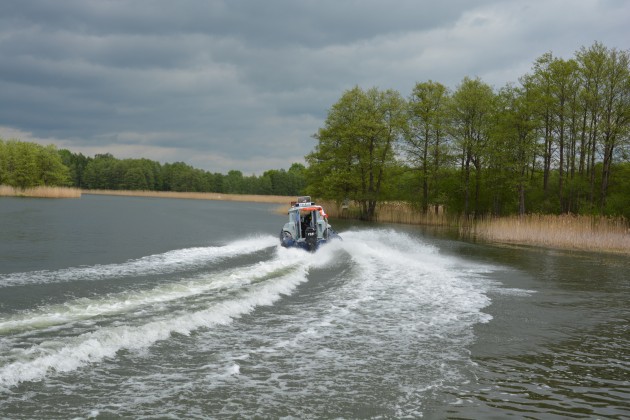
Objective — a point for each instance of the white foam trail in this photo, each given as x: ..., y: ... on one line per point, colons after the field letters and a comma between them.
x: 66, y: 355
x: 398, y: 296
x: 397, y: 313
x: 82, y: 309
x: 429, y: 278
x: 167, y: 262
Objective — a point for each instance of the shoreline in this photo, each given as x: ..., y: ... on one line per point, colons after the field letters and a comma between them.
x: 40, y: 192
x: 251, y: 198
x: 567, y: 232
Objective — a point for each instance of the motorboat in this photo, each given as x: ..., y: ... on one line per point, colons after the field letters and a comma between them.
x: 308, y: 226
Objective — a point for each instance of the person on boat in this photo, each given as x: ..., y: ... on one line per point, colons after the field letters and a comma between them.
x: 306, y: 222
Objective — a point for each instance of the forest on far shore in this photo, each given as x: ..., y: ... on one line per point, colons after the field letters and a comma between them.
x: 558, y: 142
x: 25, y: 165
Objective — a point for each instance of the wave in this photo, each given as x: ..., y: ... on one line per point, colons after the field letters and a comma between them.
x: 168, y: 262
x: 126, y: 302
x: 409, y: 274
x: 68, y: 354
x: 394, y: 286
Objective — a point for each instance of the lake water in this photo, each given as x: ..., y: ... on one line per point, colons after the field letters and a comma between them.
x: 156, y: 308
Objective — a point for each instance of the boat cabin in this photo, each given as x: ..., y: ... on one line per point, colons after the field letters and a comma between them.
x: 307, y: 226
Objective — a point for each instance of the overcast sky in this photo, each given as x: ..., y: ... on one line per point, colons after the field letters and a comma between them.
x: 244, y: 84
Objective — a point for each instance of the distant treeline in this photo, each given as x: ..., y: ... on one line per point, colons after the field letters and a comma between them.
x: 25, y: 165
x: 104, y: 171
x: 558, y: 142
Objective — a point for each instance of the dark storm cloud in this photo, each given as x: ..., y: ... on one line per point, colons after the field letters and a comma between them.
x: 271, y: 22
x: 244, y: 84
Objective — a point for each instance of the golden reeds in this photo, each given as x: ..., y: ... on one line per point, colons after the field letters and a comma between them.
x: 389, y: 212
x: 564, y: 231
x: 198, y: 196
x: 40, y: 192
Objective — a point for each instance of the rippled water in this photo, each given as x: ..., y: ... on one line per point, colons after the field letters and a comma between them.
x: 126, y: 307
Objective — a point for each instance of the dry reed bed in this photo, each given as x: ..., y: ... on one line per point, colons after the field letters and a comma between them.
x: 568, y: 232
x: 40, y: 192
x: 564, y: 231
x: 390, y: 212
x: 197, y: 196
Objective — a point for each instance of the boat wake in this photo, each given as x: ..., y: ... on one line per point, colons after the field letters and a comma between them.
x: 379, y: 300
x: 168, y: 262
x: 91, y: 329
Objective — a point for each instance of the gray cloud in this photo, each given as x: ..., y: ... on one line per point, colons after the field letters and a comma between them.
x: 244, y: 84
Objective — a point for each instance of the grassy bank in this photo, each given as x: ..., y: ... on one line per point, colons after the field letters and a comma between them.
x: 390, y: 212
x: 40, y: 192
x: 566, y: 232
x: 198, y: 196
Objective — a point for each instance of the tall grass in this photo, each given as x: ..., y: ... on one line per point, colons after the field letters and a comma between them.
x: 40, y: 192
x: 564, y: 231
x: 390, y: 212
x: 197, y: 196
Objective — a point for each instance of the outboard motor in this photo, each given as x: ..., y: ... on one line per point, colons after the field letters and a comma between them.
x: 310, y: 236
x: 286, y: 239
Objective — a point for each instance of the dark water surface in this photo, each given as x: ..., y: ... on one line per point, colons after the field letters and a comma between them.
x: 131, y: 307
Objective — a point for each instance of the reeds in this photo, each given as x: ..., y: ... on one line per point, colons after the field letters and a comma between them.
x: 565, y: 231
x: 40, y: 192
x: 389, y: 212
x: 587, y: 233
x: 197, y: 196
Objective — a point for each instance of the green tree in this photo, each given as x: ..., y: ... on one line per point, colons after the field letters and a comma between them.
x: 618, y: 202
x: 541, y: 81
x: 179, y: 176
x: 615, y: 113
x: 76, y: 163
x: 592, y: 68
x: 25, y: 165
x: 233, y: 182
x: 564, y: 82
x: 3, y: 163
x: 297, y: 179
x: 51, y: 170
x: 425, y: 138
x: 214, y: 182
x: 134, y: 179
x: 471, y: 114
x: 103, y: 172
x: 513, y: 142
x: 21, y: 164
x: 355, y: 150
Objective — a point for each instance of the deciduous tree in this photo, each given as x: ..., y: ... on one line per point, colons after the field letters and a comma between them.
x: 425, y: 138
x: 355, y: 149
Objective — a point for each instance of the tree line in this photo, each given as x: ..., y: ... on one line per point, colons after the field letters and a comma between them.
x: 104, y: 171
x: 25, y: 164
x: 556, y: 142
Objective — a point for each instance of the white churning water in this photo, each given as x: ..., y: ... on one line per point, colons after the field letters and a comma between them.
x: 391, y: 304
x: 168, y: 262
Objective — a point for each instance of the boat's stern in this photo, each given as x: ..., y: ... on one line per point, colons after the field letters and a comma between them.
x: 307, y: 227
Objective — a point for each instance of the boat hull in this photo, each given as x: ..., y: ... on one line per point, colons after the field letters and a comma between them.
x: 307, y: 227
x: 287, y: 241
